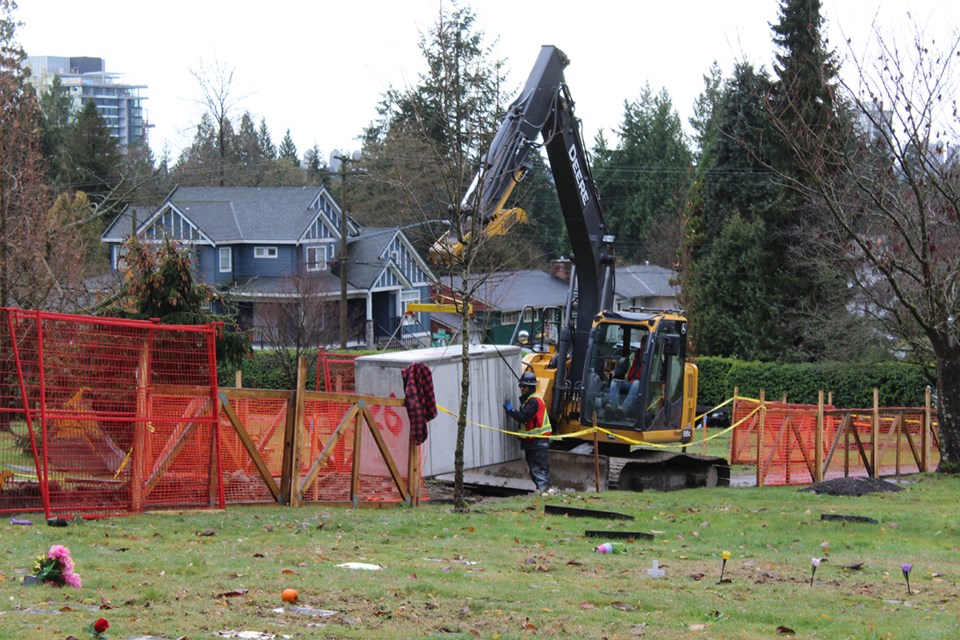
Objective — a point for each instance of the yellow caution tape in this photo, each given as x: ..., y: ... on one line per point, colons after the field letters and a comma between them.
x: 591, y: 430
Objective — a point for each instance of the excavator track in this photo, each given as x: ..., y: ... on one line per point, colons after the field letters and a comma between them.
x: 646, y: 469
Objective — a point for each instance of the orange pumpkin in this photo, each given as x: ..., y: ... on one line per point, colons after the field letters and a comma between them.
x: 289, y: 595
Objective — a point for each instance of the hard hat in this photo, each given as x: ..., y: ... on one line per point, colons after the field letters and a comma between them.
x: 528, y: 379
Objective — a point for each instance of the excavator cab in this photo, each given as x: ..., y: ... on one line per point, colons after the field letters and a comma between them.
x: 635, y: 373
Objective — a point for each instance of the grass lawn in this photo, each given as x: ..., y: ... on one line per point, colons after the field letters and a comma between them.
x: 508, y: 570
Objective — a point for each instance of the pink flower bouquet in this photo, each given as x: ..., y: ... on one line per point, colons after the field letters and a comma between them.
x: 56, y: 568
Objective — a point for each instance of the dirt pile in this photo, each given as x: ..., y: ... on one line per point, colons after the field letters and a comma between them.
x: 852, y: 486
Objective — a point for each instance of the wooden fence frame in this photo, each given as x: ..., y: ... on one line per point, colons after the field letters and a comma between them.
x: 292, y: 487
x: 870, y: 451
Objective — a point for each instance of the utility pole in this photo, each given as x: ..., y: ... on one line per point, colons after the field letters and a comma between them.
x: 343, y: 250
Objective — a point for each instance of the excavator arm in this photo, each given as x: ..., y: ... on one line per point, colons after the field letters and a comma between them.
x: 543, y: 116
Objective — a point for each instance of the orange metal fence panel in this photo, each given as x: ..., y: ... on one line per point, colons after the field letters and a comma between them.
x: 83, y: 426
x: 336, y: 372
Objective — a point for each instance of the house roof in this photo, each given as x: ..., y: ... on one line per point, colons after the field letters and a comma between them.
x: 120, y: 228
x: 249, y: 214
x: 513, y: 290
x: 645, y: 281
x: 366, y: 260
x: 278, y: 215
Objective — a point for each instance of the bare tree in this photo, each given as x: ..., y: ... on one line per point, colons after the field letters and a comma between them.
x: 301, y: 319
x: 217, y: 97
x: 889, y: 186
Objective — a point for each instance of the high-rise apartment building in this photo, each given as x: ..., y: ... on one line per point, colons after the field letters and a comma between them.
x: 85, y: 78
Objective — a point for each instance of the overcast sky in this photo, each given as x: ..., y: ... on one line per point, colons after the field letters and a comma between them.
x: 319, y: 69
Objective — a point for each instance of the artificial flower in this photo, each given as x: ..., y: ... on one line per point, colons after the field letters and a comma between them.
x: 56, y: 568
x: 99, y: 628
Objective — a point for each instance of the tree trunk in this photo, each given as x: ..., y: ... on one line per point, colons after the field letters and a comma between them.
x: 948, y: 411
x: 459, y: 503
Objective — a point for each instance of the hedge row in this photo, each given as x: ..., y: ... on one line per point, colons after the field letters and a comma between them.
x: 262, y: 370
x: 852, y: 384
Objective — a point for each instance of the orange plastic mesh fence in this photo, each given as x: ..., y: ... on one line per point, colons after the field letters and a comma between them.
x: 784, y: 436
x: 786, y: 450
x: 743, y: 443
x: 104, y: 415
x: 264, y: 420
x: 336, y: 372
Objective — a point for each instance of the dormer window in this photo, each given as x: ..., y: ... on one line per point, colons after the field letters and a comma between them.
x: 316, y: 258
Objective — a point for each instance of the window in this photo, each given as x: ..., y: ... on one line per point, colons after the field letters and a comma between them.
x: 316, y: 258
x: 406, y: 298
x: 264, y: 252
x: 513, y: 317
x: 226, y: 259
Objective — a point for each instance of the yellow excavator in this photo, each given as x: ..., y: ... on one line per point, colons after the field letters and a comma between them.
x: 583, y: 352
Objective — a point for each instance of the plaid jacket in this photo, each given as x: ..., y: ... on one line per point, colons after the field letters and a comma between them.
x: 419, y: 399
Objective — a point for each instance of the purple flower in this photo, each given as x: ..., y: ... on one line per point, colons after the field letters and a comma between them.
x: 906, y: 575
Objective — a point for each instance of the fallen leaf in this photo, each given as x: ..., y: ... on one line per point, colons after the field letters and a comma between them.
x: 697, y: 627
x: 697, y: 576
x: 259, y: 555
x: 233, y: 593
x: 786, y: 631
x: 529, y: 626
x: 207, y: 533
x: 854, y: 567
x: 586, y: 606
x: 623, y: 606
x: 288, y: 572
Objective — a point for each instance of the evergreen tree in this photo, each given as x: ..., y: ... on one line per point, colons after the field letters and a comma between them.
x: 805, y: 68
x: 92, y: 156
x: 645, y: 179
x: 159, y: 283
x: 249, y: 157
x: 57, y: 107
x: 288, y: 151
x: 316, y: 172
x: 804, y: 97
x: 198, y: 164
x: 735, y: 261
x: 265, y: 142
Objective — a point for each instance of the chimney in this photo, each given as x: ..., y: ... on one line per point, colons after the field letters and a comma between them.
x: 561, y: 268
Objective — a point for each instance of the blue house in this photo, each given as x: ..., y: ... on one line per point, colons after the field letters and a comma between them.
x: 263, y: 247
